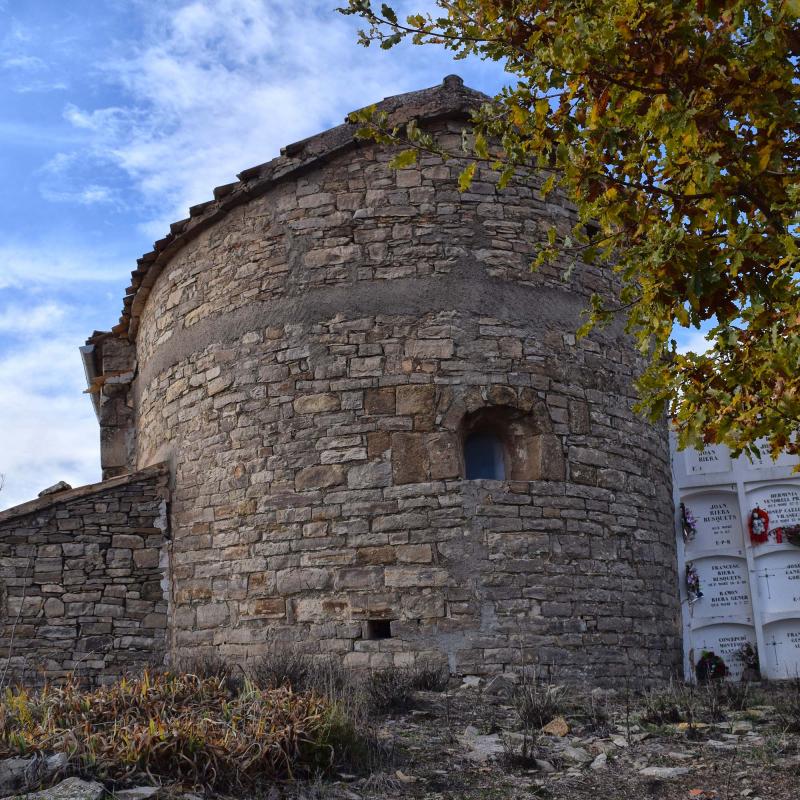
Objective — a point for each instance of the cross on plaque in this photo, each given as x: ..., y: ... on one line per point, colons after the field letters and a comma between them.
x: 766, y: 575
x: 774, y: 644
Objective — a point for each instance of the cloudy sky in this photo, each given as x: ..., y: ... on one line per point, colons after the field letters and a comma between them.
x: 117, y: 115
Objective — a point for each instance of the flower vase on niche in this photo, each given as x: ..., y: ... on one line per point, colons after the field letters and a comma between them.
x: 688, y: 524
x: 748, y: 655
x: 759, y: 526
x: 692, y: 583
x: 710, y: 667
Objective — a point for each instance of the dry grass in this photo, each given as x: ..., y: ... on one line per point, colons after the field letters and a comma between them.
x: 538, y: 701
x: 183, y: 728
x: 789, y: 708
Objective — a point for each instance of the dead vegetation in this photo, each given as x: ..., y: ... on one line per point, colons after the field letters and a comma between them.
x: 182, y: 728
x: 289, y: 727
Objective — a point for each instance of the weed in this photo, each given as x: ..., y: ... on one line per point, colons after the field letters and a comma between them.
x: 664, y: 705
x: 740, y: 696
x: 713, y: 700
x: 390, y: 689
x: 789, y: 708
x: 427, y: 676
x: 537, y: 701
x: 282, y: 666
x: 593, y: 710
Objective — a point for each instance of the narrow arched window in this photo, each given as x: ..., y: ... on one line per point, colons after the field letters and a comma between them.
x: 484, y: 456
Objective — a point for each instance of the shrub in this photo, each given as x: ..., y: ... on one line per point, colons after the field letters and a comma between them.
x: 537, y: 702
x: 282, y: 666
x: 180, y: 728
x: 427, y: 676
x: 663, y: 705
x: 390, y: 689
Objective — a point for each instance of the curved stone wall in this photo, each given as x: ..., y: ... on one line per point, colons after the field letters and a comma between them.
x: 307, y: 364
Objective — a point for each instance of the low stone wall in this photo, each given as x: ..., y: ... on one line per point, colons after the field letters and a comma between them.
x: 81, y: 576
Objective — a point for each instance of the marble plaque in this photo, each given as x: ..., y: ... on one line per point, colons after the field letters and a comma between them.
x: 710, y: 459
x: 718, y: 523
x: 781, y: 501
x: 782, y: 645
x: 778, y: 578
x: 765, y: 461
x: 725, y: 585
x: 726, y: 640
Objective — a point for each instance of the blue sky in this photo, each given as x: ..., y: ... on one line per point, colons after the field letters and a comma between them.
x: 116, y: 116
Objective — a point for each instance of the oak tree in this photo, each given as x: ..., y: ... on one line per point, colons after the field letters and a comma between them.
x: 673, y: 126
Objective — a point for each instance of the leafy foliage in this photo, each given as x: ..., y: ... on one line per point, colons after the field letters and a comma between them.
x: 180, y: 728
x: 673, y: 126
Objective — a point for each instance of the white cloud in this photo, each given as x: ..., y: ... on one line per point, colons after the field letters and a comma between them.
x: 89, y: 195
x: 49, y: 432
x: 24, y: 62
x: 57, y: 264
x: 22, y: 319
x: 220, y: 85
x: 691, y: 340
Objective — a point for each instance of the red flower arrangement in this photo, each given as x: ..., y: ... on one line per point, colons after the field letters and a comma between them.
x: 759, y: 526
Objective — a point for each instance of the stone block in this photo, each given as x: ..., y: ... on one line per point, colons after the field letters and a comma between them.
x: 269, y: 607
x: 369, y: 476
x: 429, y: 348
x: 444, y: 455
x: 316, y: 403
x: 422, y: 606
x: 146, y: 559
x: 122, y: 540
x: 302, y: 579
x: 415, y: 399
x: 379, y: 401
x: 417, y: 577
x: 359, y: 578
x: 321, y: 476
x: 410, y: 458
x: 376, y: 555
x: 414, y: 554
x: 212, y: 615
x: 53, y: 607
x: 219, y: 384
x: 378, y: 443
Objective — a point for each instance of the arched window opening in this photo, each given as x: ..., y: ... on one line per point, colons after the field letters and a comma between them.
x: 504, y: 443
x: 484, y: 456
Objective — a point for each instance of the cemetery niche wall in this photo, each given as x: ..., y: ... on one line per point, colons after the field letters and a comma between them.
x: 738, y: 529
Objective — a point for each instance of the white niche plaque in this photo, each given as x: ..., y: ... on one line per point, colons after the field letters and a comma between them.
x: 725, y: 586
x: 780, y: 501
x: 782, y: 644
x: 718, y: 523
x: 725, y: 640
x: 710, y: 459
x: 778, y: 576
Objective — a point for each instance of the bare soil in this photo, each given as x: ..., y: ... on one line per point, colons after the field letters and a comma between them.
x: 471, y: 745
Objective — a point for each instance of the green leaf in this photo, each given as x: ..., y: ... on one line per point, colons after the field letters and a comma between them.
x: 406, y: 158
x: 466, y: 176
x: 389, y: 13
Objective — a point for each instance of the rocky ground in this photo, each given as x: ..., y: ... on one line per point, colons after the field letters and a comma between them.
x: 470, y: 743
x: 467, y: 744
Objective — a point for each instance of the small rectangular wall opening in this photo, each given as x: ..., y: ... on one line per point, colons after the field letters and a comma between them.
x: 378, y: 629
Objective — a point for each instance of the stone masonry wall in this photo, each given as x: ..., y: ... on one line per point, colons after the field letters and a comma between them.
x: 81, y: 580
x: 307, y: 366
